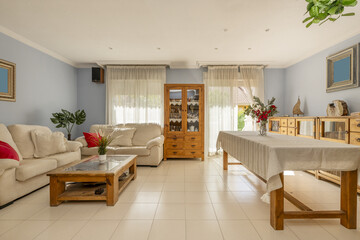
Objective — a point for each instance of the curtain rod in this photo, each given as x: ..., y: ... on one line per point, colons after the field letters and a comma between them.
x: 235, y: 65
x: 137, y: 65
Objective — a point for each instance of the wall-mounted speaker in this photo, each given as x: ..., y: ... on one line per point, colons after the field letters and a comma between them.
x: 97, y: 75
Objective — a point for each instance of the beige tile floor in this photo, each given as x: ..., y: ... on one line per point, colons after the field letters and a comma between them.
x: 181, y: 199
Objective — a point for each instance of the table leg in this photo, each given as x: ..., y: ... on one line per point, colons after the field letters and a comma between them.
x: 132, y: 169
x: 349, y: 199
x: 112, y: 188
x: 225, y: 160
x: 56, y: 188
x: 277, y: 206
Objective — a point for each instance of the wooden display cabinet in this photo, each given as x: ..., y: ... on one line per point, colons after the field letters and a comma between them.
x: 184, y: 121
x: 274, y: 125
x: 334, y: 129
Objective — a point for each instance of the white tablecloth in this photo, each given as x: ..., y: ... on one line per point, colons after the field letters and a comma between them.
x: 270, y: 155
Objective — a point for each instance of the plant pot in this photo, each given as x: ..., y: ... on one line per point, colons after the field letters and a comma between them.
x: 102, y: 158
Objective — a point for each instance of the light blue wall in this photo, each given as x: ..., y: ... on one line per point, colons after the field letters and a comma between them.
x: 307, y: 79
x: 274, y: 87
x: 186, y: 76
x: 92, y: 98
x: 43, y: 85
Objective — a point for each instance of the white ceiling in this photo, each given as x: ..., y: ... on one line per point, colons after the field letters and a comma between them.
x: 186, y: 31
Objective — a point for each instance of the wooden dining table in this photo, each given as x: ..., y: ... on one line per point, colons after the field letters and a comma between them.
x: 269, y: 156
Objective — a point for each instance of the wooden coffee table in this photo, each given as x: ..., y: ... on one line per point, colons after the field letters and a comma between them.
x: 78, y: 181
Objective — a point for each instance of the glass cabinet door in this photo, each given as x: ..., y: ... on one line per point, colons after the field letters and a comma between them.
x: 334, y: 130
x: 175, y: 120
x: 274, y: 125
x: 193, y: 110
x: 306, y: 128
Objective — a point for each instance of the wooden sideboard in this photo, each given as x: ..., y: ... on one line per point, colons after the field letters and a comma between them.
x: 335, y: 129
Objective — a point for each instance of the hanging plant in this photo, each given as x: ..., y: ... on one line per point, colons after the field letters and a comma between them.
x: 321, y: 11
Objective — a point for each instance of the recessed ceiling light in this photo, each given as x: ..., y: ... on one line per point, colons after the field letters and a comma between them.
x: 225, y: 29
x: 158, y: 48
x: 249, y: 48
x: 268, y: 29
x: 216, y: 48
x: 110, y: 48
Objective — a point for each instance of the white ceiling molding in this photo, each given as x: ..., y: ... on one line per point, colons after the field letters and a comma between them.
x: 214, y: 63
x: 35, y: 45
x: 116, y: 62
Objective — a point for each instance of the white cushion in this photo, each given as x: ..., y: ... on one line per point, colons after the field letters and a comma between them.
x: 47, y: 143
x: 32, y: 168
x: 5, y: 136
x: 144, y: 132
x: 82, y: 141
x: 66, y: 158
x: 22, y: 138
x: 134, y: 150
x: 105, y: 129
x: 122, y: 136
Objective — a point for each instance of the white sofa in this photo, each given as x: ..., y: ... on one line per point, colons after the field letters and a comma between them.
x: 30, y: 174
x: 147, y: 143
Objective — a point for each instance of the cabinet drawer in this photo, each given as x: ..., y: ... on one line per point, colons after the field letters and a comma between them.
x: 291, y: 123
x: 173, y: 152
x: 193, y: 153
x: 283, y: 130
x: 355, y: 138
x: 355, y: 125
x: 291, y: 131
x: 174, y: 139
x: 192, y: 138
x: 283, y: 122
x: 175, y: 145
x: 192, y: 145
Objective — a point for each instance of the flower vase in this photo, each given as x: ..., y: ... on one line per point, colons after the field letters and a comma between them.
x: 102, y: 158
x: 262, y: 130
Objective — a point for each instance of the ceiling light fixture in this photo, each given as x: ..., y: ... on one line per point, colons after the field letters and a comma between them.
x: 216, y: 48
x: 249, y: 48
x: 225, y: 29
x: 158, y: 48
x: 110, y: 48
x: 268, y: 29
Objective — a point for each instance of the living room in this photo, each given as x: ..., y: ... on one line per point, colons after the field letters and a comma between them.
x: 184, y: 180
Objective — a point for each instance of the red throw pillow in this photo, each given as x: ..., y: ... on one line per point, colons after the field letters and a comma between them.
x: 7, y: 152
x: 92, y: 139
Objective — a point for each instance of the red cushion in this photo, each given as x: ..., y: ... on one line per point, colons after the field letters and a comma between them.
x: 92, y: 139
x: 7, y: 152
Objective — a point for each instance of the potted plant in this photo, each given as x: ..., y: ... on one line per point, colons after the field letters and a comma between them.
x: 67, y: 120
x: 261, y: 113
x: 321, y: 11
x: 104, y: 142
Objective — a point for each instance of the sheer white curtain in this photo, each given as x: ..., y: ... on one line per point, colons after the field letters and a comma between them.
x: 221, y: 83
x: 251, y: 81
x: 135, y: 94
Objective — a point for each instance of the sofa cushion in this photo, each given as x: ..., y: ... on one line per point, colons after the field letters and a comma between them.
x: 104, y: 128
x: 94, y: 151
x: 66, y: 158
x: 31, y: 168
x: 144, y: 132
x: 122, y: 137
x: 22, y: 138
x: 92, y: 139
x: 47, y: 143
x: 134, y: 150
x: 82, y: 141
x: 7, y: 152
x: 5, y: 136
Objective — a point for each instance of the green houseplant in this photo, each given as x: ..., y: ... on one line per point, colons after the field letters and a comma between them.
x: 321, y: 11
x: 67, y: 120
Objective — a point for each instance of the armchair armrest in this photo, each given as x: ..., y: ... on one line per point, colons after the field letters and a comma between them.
x: 73, y: 146
x: 82, y: 141
x: 158, y: 141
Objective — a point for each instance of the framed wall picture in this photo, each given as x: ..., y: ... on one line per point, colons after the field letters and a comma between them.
x: 343, y: 69
x: 7, y: 81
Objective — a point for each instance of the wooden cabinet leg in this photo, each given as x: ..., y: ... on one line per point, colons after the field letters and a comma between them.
x: 225, y: 160
x: 277, y: 207
x: 56, y: 188
x: 349, y: 199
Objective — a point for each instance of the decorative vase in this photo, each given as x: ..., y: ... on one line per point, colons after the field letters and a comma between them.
x: 262, y: 130
x: 102, y: 158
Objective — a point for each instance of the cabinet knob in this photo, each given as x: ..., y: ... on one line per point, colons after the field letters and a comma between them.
x: 174, y: 152
x: 174, y: 145
x: 193, y: 145
x: 192, y: 138
x: 193, y: 152
x: 358, y: 139
x: 358, y: 125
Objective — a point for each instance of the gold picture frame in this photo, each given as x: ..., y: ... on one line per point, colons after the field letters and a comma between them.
x: 7, y: 81
x: 343, y: 69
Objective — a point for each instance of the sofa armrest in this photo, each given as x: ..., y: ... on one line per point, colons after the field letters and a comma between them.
x: 2, y: 171
x: 73, y: 146
x: 82, y: 141
x: 8, y: 163
x: 158, y: 141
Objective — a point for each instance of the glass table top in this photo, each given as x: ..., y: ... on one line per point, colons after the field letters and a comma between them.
x: 93, y: 164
